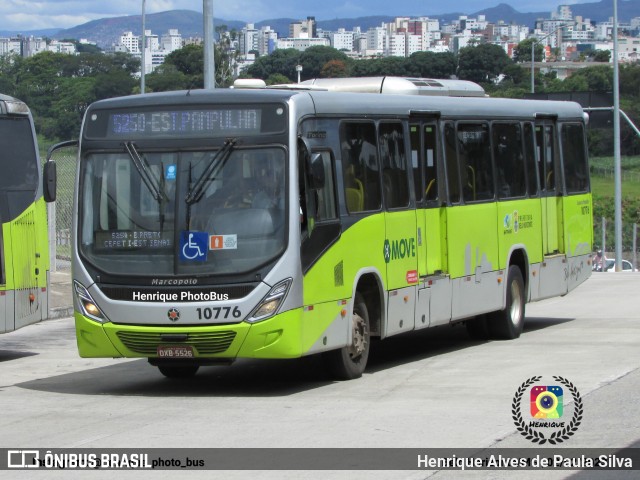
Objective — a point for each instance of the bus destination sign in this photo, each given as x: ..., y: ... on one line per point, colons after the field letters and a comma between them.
x: 199, y: 123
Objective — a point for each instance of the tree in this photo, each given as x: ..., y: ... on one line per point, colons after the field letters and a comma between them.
x: 68, y: 107
x: 313, y: 59
x: 166, y: 78
x: 334, y: 69
x: 483, y: 63
x: 522, y: 51
x: 601, y: 56
x: 395, y: 66
x: 595, y: 79
x: 277, y: 79
x: 58, y: 88
x: 431, y: 65
x: 629, y: 80
x: 515, y: 74
x: 188, y: 60
x: 282, y: 60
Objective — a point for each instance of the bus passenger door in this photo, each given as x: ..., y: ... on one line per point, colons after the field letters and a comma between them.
x: 430, y: 212
x: 551, y: 187
x: 5, y: 315
x: 553, y: 271
x: 400, y: 244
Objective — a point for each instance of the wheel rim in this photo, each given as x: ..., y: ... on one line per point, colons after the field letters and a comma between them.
x: 359, y: 342
x: 516, y: 304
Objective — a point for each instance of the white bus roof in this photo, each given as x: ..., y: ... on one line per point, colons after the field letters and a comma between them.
x: 10, y: 105
x: 400, y: 86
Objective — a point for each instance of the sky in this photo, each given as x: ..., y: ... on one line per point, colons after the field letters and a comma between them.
x: 25, y: 15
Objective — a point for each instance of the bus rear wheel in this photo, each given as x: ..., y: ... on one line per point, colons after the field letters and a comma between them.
x: 507, y: 324
x: 349, y: 362
x: 178, y: 371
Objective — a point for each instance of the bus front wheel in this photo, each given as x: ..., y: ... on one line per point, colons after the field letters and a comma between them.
x: 349, y: 362
x: 507, y: 324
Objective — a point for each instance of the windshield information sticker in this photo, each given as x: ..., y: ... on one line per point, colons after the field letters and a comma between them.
x: 223, y: 242
x: 132, y: 240
x: 170, y: 172
x: 193, y: 246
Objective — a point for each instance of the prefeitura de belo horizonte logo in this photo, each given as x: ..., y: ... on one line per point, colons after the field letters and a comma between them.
x: 546, y: 410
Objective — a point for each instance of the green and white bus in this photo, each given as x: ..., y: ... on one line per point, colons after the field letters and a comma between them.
x: 279, y: 223
x: 24, y: 251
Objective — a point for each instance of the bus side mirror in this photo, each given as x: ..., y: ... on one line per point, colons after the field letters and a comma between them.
x: 50, y: 177
x: 50, y: 180
x: 316, y: 172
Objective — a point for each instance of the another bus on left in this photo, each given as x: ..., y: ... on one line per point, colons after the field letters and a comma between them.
x: 24, y: 248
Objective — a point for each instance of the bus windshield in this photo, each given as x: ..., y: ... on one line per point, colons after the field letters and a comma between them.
x: 139, y: 215
x: 16, y: 145
x: 19, y: 177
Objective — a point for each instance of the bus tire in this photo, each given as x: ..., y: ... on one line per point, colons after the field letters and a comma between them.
x: 178, y: 371
x: 349, y: 362
x: 507, y: 324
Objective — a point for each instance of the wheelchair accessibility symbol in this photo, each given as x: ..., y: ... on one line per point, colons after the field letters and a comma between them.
x: 193, y: 246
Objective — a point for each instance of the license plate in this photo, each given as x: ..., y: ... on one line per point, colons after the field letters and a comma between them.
x: 183, y: 351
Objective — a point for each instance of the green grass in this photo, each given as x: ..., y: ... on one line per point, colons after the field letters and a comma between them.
x: 603, y: 180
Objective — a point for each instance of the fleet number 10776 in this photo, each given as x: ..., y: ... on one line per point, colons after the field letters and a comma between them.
x: 216, y: 313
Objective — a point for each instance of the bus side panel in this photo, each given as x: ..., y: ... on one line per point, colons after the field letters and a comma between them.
x: 30, y: 264
x: 6, y: 311
x: 472, y: 240
x: 400, y: 253
x: 432, y: 240
x: 520, y: 222
x: 578, y: 236
x: 333, y: 276
x: 331, y: 282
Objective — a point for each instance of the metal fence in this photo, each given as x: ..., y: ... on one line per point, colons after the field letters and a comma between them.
x: 60, y: 212
x: 609, y: 172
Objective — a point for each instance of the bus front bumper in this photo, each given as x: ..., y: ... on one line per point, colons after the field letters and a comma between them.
x: 277, y: 337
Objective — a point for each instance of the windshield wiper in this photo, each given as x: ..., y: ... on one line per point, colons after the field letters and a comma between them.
x: 216, y: 164
x: 144, y: 169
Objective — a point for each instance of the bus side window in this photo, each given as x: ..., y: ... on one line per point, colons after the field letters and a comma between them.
x: 326, y: 199
x: 530, y: 160
x: 576, y: 170
x: 451, y: 158
x: 509, y: 158
x: 425, y: 167
x: 476, y: 168
x: 394, y: 173
x: 430, y: 163
x: 546, y: 157
x: 360, y: 166
x: 416, y: 165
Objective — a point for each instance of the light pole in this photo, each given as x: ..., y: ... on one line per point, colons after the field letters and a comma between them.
x: 142, y: 58
x: 533, y: 55
x: 299, y: 70
x: 616, y: 142
x: 209, y: 57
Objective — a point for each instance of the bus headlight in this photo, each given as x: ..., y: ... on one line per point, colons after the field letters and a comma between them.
x: 271, y: 302
x: 87, y: 304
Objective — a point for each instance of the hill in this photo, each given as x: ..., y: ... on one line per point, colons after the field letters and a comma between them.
x: 106, y: 31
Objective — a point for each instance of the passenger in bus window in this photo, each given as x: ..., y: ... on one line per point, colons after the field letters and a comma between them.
x: 233, y: 192
x: 267, y: 192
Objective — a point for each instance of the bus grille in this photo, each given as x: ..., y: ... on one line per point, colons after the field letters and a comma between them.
x: 205, y: 343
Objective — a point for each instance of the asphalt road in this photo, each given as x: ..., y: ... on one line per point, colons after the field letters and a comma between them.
x: 431, y: 389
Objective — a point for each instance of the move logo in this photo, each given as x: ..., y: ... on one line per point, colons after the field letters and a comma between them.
x: 399, y: 249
